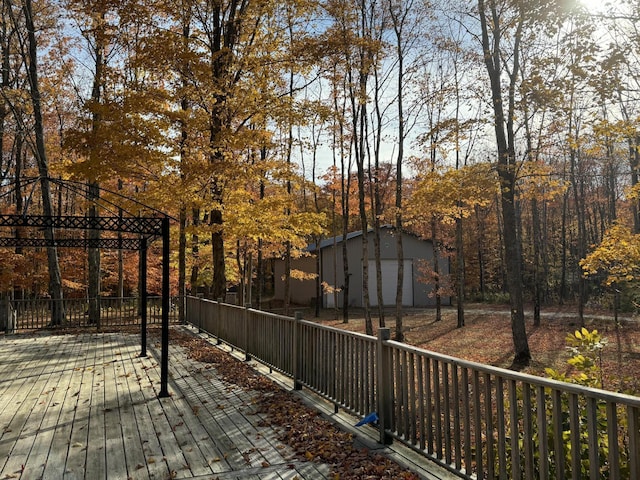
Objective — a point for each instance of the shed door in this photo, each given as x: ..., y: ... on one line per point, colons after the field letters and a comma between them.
x: 389, y: 269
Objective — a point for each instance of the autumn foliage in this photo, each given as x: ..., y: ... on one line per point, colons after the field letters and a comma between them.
x: 260, y: 127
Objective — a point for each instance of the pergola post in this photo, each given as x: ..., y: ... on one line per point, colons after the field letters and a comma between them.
x: 143, y: 296
x: 164, y: 361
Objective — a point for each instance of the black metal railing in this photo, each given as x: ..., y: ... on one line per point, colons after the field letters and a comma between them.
x: 30, y: 314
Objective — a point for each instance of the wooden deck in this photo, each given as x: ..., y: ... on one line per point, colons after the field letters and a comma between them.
x: 85, y: 406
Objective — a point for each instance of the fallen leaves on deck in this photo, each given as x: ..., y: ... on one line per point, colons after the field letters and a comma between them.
x: 310, y: 436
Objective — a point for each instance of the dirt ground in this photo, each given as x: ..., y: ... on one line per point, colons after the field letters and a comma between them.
x: 486, y: 338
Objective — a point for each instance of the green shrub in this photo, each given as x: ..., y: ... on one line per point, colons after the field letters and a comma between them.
x: 586, y: 359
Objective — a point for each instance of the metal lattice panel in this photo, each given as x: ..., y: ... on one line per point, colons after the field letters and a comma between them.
x: 105, y: 243
x: 142, y: 226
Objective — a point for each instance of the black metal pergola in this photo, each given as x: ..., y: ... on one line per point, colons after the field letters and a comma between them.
x: 146, y: 228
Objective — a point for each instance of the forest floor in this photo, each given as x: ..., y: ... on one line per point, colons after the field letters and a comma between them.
x: 486, y: 338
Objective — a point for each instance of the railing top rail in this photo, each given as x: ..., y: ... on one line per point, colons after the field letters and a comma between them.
x: 606, y: 395
x: 206, y: 300
x: 271, y: 315
x: 348, y: 333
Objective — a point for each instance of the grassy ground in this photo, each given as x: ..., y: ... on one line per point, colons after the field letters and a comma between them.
x: 486, y: 338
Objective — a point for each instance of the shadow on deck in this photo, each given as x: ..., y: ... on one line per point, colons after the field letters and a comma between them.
x: 86, y: 406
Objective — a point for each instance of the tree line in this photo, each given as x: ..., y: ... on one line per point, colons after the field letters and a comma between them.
x: 504, y: 130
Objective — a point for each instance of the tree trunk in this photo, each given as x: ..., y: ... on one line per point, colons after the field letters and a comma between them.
x: 120, y: 258
x: 536, y: 230
x: 94, y: 259
x: 460, y: 278
x: 364, y: 226
x: 347, y: 278
x: 345, y: 187
x: 374, y: 190
x: 480, y: 253
x: 184, y: 158
x: 398, y: 18
x: 260, y: 270
x: 506, y: 169
x: 359, y: 110
x: 634, y: 163
x: 55, y: 278
x: 19, y: 199
x: 195, y: 253
x: 93, y: 186
x: 436, y: 268
x: 581, y: 247
x: 219, y: 283
x: 537, y: 277
x: 182, y: 263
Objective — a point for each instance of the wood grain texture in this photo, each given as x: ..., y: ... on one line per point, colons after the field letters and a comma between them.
x: 86, y: 406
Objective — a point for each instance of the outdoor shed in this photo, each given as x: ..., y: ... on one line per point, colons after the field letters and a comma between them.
x: 327, y: 256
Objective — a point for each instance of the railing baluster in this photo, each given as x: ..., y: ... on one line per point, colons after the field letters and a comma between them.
x: 542, y: 432
x: 429, y: 409
x: 576, y: 454
x: 421, y: 396
x: 362, y: 377
x: 514, y: 431
x: 398, y: 396
x: 501, y: 429
x: 488, y: 408
x: 437, y: 414
x: 477, y: 420
x: 447, y: 413
x: 373, y: 380
x: 455, y: 381
x: 353, y: 369
x: 404, y: 394
x: 466, y: 409
x: 558, y: 433
x: 592, y: 432
x: 527, y: 421
x: 412, y: 414
x: 612, y: 434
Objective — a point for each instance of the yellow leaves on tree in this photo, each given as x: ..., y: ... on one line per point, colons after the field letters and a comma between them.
x: 450, y: 194
x: 618, y: 256
x: 302, y: 275
x: 537, y: 180
x: 272, y: 217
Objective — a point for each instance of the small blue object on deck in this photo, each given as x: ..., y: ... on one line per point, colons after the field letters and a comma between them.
x: 371, y: 418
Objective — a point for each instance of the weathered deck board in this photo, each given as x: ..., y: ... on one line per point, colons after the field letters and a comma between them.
x: 23, y: 404
x: 115, y: 449
x: 151, y: 450
x: 51, y: 420
x: 134, y: 455
x: 28, y: 420
x: 249, y: 448
x: 86, y: 406
x: 67, y: 424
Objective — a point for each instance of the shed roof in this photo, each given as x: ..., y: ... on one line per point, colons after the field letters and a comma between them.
x: 329, y: 242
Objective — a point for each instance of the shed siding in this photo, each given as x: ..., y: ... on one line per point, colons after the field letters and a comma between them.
x: 332, y: 270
